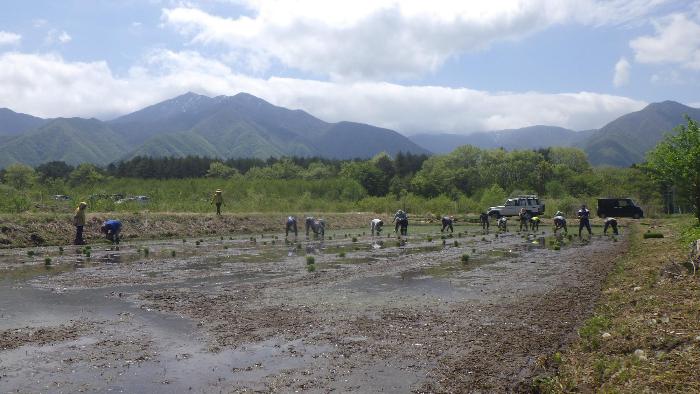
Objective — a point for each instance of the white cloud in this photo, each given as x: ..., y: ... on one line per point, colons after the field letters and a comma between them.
x: 622, y: 72
x: 677, y: 41
x: 370, y: 39
x: 55, y: 36
x: 7, y: 38
x: 47, y: 85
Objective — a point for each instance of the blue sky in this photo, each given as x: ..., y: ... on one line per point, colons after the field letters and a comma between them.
x: 413, y: 66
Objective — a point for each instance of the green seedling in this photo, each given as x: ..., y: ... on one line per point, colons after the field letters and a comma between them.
x: 473, y: 250
x: 311, y: 267
x: 30, y: 253
x: 330, y: 238
x: 444, y: 242
x: 341, y: 255
x: 483, y: 239
x: 273, y: 241
x: 456, y: 243
x: 430, y: 239
x: 197, y: 243
x: 298, y: 246
x: 146, y: 251
x: 225, y: 247
x: 310, y: 260
x: 222, y: 238
x: 47, y: 261
x: 87, y: 253
x: 264, y: 242
x: 184, y: 240
x: 60, y: 250
x: 354, y: 239
x: 173, y: 253
x: 459, y: 235
x: 465, y: 258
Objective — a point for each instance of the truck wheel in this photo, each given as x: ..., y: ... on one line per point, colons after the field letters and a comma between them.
x: 636, y: 216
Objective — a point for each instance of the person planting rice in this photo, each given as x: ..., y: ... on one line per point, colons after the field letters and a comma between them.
x: 291, y: 225
x: 112, y: 229
x: 610, y: 222
x: 503, y: 224
x: 447, y: 222
x: 318, y: 226
x: 401, y: 220
x: 559, y: 222
x: 375, y: 226
x: 484, y: 220
x: 534, y: 223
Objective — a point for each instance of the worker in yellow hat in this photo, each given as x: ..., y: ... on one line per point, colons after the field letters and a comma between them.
x: 79, y: 222
x: 218, y: 200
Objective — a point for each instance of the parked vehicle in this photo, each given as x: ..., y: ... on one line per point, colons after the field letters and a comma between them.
x: 531, y: 203
x: 619, y: 208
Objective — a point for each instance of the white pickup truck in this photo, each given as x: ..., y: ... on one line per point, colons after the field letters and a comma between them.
x: 513, y: 205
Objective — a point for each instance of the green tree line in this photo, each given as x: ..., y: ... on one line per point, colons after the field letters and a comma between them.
x: 468, y: 179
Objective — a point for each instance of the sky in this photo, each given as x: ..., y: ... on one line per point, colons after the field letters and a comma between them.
x: 414, y: 66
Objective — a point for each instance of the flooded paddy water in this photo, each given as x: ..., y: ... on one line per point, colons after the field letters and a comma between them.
x: 246, y: 312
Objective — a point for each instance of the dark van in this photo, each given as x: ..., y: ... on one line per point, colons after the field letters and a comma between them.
x: 619, y: 208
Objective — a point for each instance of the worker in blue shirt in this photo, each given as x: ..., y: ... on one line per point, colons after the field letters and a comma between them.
x: 112, y: 228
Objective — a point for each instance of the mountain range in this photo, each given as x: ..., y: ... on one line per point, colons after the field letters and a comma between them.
x: 622, y: 142
x: 222, y: 127
x: 246, y: 126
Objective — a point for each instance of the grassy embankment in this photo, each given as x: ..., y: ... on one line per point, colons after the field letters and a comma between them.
x: 243, y: 195
x: 645, y: 333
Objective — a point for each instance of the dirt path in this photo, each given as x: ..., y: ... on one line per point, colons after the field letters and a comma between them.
x: 241, y: 314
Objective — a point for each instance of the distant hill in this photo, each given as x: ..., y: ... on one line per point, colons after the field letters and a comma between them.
x: 621, y: 143
x: 247, y: 126
x: 625, y: 140
x: 224, y: 126
x: 73, y: 140
x: 13, y: 123
x: 532, y: 137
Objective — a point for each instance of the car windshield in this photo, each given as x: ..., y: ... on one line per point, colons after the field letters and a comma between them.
x: 510, y: 203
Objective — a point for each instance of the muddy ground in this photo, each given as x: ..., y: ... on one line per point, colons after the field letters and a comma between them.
x: 240, y: 313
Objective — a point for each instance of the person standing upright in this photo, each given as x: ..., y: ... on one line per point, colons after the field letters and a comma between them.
x: 79, y: 222
x: 584, y: 220
x: 218, y: 200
